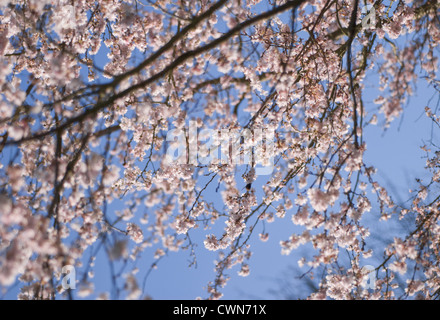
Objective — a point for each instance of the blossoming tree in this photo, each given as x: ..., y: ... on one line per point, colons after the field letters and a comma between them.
x: 90, y: 91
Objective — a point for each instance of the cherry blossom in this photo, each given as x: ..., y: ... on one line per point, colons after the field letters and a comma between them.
x: 108, y: 109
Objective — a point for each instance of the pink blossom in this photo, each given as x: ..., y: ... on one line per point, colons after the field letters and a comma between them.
x: 245, y: 271
x: 135, y: 232
x: 398, y: 266
x: 264, y: 237
x: 211, y: 243
x: 318, y: 199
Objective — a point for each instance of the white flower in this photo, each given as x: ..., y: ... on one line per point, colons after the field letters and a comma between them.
x: 132, y: 287
x: 301, y: 217
x: 135, y: 232
x: 211, y: 243
x: 85, y: 289
x: 264, y: 237
x: 318, y: 199
x: 244, y: 272
x: 398, y: 266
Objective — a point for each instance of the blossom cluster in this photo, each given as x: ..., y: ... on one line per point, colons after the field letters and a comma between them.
x: 91, y: 89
